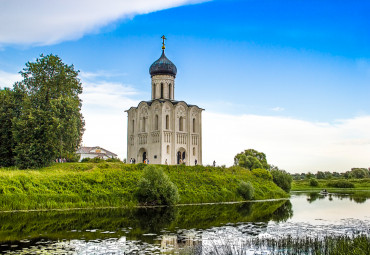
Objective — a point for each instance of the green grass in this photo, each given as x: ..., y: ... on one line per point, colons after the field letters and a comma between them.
x: 360, y: 184
x: 82, y: 185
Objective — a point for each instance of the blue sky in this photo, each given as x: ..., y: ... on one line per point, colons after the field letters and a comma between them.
x: 298, y: 70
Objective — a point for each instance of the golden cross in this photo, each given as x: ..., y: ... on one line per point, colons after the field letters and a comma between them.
x: 164, y: 38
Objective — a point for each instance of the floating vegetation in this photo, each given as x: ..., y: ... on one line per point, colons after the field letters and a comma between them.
x: 328, y: 245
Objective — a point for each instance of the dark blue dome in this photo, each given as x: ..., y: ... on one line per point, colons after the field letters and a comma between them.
x: 163, y: 66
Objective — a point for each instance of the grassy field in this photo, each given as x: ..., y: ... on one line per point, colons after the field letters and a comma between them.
x: 360, y: 184
x: 82, y: 185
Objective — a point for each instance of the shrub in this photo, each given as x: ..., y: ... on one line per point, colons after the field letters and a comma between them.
x: 246, y: 190
x: 282, y: 179
x: 262, y: 173
x: 113, y: 160
x: 341, y: 184
x: 155, y: 188
x: 314, y: 182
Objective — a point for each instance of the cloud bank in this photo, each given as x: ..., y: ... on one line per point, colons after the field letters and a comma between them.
x: 8, y: 79
x: 45, y: 22
x: 291, y: 144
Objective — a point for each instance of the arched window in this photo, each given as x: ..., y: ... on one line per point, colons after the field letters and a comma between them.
x: 167, y: 122
x: 156, y: 122
x: 154, y: 88
x: 168, y: 149
x: 181, y: 121
x: 133, y: 126
x: 169, y: 91
x: 193, y: 151
x: 161, y: 90
x: 193, y: 125
x: 143, y: 127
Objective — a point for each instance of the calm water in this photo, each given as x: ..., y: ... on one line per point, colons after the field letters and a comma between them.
x: 159, y: 230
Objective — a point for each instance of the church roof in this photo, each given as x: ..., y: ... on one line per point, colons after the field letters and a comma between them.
x: 163, y: 66
x: 173, y: 102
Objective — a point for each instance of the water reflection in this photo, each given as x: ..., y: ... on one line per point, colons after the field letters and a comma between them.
x: 157, y: 230
x: 355, y: 196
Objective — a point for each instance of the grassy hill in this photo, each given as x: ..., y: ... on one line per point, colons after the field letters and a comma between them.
x: 82, y: 185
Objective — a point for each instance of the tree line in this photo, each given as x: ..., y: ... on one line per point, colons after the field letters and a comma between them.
x: 354, y: 173
x: 41, y: 116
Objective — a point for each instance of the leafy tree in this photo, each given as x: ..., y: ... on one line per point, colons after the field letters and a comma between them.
x: 246, y: 190
x: 314, y: 182
x: 359, y: 173
x: 251, y: 159
x: 155, y: 188
x: 6, y: 137
x: 50, y: 123
x: 282, y: 179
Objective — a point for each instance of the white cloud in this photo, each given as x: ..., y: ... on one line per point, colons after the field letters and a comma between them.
x: 278, y: 109
x: 47, y: 22
x: 291, y: 144
x: 8, y: 79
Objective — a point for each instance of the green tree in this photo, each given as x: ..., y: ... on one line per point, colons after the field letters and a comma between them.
x: 155, y: 188
x: 251, y: 159
x: 50, y: 123
x: 6, y: 137
x: 282, y: 179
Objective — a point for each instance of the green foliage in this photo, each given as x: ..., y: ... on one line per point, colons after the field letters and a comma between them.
x: 106, y: 184
x: 155, y: 188
x: 341, y: 184
x: 92, y: 160
x: 314, y: 182
x: 251, y: 159
x: 262, y: 173
x: 44, y: 121
x: 246, y: 190
x: 282, y: 179
x: 7, y: 113
x: 113, y: 160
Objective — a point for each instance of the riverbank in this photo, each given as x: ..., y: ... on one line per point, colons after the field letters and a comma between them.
x: 95, y: 185
x: 304, y: 185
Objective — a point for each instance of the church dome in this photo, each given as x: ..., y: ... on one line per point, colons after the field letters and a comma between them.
x: 163, y: 66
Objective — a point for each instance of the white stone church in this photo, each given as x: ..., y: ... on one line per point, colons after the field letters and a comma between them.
x: 164, y: 130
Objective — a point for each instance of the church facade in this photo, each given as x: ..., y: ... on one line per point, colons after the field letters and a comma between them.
x: 164, y: 130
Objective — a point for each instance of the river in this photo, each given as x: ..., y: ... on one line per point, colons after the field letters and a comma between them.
x: 174, y: 229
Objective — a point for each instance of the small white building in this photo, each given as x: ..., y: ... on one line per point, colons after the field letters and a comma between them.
x: 95, y: 152
x: 164, y: 130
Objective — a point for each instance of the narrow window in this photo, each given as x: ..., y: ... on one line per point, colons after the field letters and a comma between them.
x: 193, y: 125
x: 133, y: 126
x: 193, y: 151
x: 156, y: 122
x: 168, y: 149
x: 161, y: 90
x: 167, y: 122
x: 170, y: 91
x: 181, y: 124
x: 143, y: 128
x: 154, y: 88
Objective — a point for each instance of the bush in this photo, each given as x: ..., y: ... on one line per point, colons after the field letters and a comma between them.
x: 246, y: 190
x: 314, y: 182
x: 341, y: 184
x: 282, y: 179
x: 155, y: 188
x: 262, y: 173
x: 113, y: 160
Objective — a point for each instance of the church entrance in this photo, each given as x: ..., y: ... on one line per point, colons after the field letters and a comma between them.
x: 142, y: 155
x: 181, y: 156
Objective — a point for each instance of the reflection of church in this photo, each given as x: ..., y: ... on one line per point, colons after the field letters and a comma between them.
x: 163, y: 130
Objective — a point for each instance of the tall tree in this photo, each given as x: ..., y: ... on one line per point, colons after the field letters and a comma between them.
x: 6, y: 138
x: 251, y: 159
x: 50, y: 123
